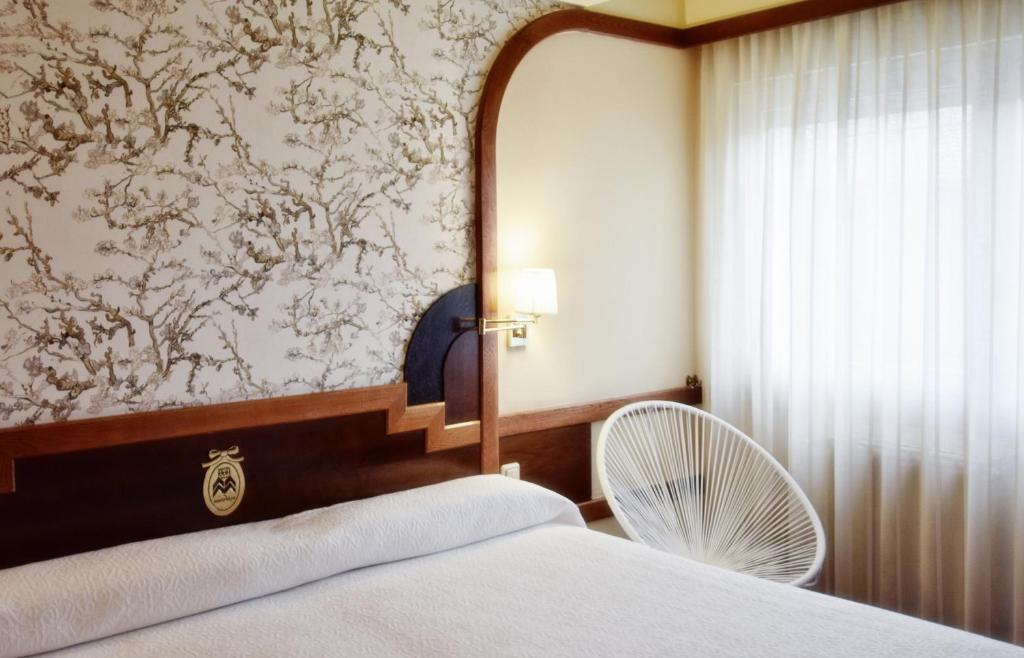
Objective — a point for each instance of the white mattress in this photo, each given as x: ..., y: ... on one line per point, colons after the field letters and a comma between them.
x: 484, y: 566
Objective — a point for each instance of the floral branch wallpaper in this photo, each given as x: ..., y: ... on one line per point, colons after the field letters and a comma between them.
x: 209, y: 200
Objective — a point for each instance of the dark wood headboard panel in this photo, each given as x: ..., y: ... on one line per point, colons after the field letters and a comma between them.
x: 82, y: 485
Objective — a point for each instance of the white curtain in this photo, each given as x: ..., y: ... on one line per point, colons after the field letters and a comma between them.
x: 863, y: 254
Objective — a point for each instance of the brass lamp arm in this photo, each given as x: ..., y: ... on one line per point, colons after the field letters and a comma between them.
x: 486, y: 326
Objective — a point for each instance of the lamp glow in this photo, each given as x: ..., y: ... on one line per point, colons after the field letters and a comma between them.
x: 535, y: 295
x: 536, y: 292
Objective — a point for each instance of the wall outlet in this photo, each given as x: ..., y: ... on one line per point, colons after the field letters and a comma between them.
x: 510, y: 470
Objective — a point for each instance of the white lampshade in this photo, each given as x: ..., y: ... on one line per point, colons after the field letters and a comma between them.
x: 536, y: 292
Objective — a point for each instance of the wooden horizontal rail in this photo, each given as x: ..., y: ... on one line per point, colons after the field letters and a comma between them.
x: 591, y: 412
x: 105, y: 432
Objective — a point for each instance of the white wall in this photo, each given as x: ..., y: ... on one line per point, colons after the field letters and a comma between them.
x: 594, y: 147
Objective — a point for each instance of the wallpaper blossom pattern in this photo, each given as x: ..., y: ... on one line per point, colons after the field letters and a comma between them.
x: 205, y: 200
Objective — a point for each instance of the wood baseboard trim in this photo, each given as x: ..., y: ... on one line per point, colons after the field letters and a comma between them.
x: 595, y: 510
x: 591, y: 412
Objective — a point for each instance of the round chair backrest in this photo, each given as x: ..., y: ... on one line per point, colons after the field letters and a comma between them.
x: 683, y: 481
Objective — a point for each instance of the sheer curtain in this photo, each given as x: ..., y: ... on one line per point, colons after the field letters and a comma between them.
x: 863, y: 191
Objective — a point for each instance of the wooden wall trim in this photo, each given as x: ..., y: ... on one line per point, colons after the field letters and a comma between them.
x: 486, y: 178
x: 590, y: 412
x: 593, y: 510
x: 557, y: 459
x: 103, y: 432
x: 579, y: 20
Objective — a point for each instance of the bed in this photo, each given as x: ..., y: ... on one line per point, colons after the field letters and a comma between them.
x: 474, y: 566
x: 363, y: 522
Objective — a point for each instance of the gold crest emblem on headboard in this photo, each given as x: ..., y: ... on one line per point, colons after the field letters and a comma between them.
x: 224, y: 484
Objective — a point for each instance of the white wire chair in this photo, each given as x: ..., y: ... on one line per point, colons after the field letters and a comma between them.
x: 683, y: 481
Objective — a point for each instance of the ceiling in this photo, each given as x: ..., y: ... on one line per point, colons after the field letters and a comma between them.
x: 680, y: 13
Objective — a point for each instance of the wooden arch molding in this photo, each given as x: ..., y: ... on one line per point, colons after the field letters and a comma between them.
x: 498, y: 79
x: 578, y: 20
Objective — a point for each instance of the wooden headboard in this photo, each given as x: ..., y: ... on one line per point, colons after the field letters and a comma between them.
x: 82, y: 485
x: 87, y: 484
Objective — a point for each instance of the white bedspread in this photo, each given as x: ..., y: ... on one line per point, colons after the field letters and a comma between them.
x: 477, y: 567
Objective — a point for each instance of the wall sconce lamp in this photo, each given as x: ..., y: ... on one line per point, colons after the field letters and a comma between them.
x: 536, y: 294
